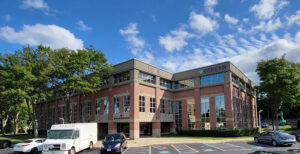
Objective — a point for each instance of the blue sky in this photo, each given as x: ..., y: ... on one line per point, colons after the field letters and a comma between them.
x: 173, y: 35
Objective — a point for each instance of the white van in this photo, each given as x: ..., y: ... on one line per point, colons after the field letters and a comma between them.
x: 70, y: 138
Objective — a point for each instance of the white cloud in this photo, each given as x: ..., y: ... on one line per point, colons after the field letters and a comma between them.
x: 269, y: 26
x: 49, y: 35
x: 202, y: 24
x: 146, y: 57
x: 209, y: 7
x: 130, y: 32
x: 266, y: 9
x: 245, y: 19
x: 36, y: 4
x: 230, y: 19
x: 83, y: 26
x: 175, y: 40
x: 7, y: 18
x: 294, y: 18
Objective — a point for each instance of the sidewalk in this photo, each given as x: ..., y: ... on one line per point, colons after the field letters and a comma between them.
x: 166, y: 140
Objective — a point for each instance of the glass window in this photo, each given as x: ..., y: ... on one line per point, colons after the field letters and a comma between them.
x: 125, y: 76
x: 220, y: 112
x: 178, y: 115
x: 152, y: 105
x: 145, y: 77
x: 116, y: 104
x: 142, y: 103
x: 81, y: 112
x: 185, y: 83
x: 170, y: 107
x: 126, y: 103
x: 162, y: 106
x: 106, y: 108
x: 205, y: 113
x: 166, y: 83
x: 89, y: 111
x: 211, y: 79
x: 97, y: 107
x: 190, y: 109
x: 75, y: 113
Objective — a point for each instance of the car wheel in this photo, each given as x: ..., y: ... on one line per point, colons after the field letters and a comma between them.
x: 256, y: 140
x: 290, y: 145
x: 72, y: 151
x: 34, y: 150
x: 91, y: 146
x: 274, y: 143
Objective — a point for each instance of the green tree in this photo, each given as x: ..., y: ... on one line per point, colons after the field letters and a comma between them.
x: 279, y: 82
x: 77, y: 72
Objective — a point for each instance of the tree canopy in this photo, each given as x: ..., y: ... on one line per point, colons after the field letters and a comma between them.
x: 280, y: 82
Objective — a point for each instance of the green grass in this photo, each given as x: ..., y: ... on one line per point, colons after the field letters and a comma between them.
x: 209, y: 138
x: 19, y: 137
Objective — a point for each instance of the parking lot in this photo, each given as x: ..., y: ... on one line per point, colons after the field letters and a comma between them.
x: 209, y: 148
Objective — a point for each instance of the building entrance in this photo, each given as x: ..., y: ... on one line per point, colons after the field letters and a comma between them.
x: 123, y: 128
x: 146, y: 129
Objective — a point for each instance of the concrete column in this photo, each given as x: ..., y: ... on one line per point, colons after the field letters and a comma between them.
x: 112, y: 127
x: 212, y: 113
x: 198, y: 108
x: 156, y: 131
x: 228, y: 106
x: 173, y: 130
x: 134, y: 130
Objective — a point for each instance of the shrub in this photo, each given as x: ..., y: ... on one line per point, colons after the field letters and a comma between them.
x: 219, y: 133
x: 298, y: 123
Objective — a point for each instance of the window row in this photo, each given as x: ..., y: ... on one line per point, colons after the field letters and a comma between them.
x: 152, y: 105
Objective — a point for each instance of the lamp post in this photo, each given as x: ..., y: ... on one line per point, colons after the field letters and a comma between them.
x: 62, y: 120
x: 260, y: 111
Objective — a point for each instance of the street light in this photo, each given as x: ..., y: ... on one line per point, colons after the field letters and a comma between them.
x: 260, y: 111
x: 62, y: 120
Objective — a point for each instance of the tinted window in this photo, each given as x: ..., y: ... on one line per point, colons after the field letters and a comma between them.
x: 28, y: 141
x: 113, y: 138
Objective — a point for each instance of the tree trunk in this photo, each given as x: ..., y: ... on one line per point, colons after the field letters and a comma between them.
x: 15, y: 123
x: 68, y: 120
x: 3, y: 124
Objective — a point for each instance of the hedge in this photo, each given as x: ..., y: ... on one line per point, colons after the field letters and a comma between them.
x: 220, y: 133
x: 298, y: 123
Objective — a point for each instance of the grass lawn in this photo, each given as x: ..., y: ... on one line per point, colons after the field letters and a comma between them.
x: 210, y: 138
x: 19, y: 138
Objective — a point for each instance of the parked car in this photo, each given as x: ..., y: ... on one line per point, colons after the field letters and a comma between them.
x: 114, y: 143
x: 31, y: 145
x: 5, y: 144
x: 296, y: 133
x: 275, y: 138
x: 264, y: 125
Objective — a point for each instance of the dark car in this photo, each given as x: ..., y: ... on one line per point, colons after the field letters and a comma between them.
x: 264, y: 125
x: 5, y: 144
x: 275, y: 138
x: 114, y: 143
x: 296, y: 133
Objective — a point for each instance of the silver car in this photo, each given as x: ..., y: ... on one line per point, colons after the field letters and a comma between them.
x: 275, y: 138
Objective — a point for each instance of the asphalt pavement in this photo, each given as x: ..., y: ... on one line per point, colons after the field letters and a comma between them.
x: 202, y: 148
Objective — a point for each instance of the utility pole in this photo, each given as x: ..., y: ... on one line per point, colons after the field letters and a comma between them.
x: 260, y: 111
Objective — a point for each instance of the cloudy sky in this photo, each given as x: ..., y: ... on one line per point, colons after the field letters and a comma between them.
x: 173, y: 35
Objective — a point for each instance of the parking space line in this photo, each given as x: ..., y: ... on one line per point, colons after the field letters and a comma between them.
x: 214, y: 147
x: 192, y: 149
x: 175, y: 148
x: 182, y: 148
x: 126, y: 149
x: 239, y: 146
x: 150, y: 149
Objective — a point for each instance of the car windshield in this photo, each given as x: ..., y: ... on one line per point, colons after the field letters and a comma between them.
x: 60, y: 134
x: 28, y: 141
x: 113, y: 138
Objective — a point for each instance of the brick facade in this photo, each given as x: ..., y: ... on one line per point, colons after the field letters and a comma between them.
x: 238, y: 102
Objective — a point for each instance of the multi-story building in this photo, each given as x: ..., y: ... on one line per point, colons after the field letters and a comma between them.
x: 140, y: 99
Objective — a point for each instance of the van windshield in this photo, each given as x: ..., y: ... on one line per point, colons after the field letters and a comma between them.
x: 60, y: 134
